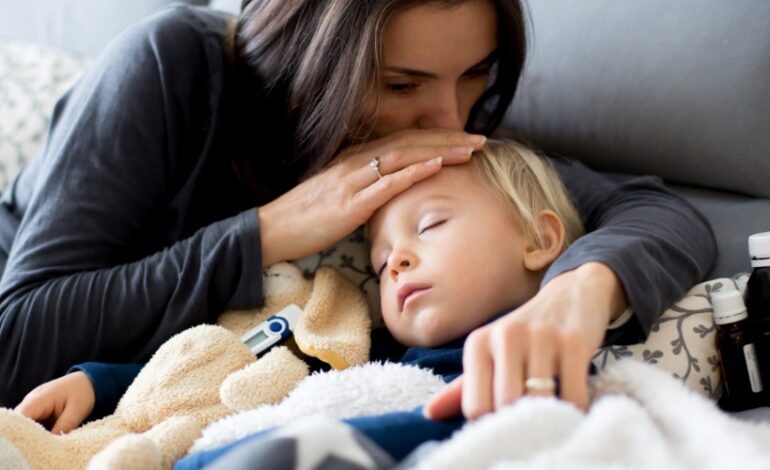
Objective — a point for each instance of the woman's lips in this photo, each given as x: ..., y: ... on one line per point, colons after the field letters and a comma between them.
x: 408, y: 292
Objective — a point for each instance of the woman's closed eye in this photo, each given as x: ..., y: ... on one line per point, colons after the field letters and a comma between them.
x: 401, y: 88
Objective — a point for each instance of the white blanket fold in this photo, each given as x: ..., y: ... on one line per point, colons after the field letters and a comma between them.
x: 640, y: 418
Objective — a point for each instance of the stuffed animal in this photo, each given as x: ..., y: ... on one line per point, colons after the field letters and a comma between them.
x: 204, y: 374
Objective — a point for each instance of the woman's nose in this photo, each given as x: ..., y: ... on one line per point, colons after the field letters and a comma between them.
x: 401, y: 261
x: 443, y: 111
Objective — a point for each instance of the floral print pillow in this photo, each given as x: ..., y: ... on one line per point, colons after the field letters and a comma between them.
x: 683, y: 340
x: 33, y: 78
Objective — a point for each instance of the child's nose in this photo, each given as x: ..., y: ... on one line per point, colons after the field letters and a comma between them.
x: 400, y: 262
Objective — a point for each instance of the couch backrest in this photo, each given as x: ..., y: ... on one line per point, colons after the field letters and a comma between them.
x: 677, y: 89
x: 82, y: 27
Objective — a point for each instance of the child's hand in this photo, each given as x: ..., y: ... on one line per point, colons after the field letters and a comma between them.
x: 60, y: 404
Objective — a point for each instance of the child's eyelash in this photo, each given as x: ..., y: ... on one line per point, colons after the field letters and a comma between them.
x: 430, y: 226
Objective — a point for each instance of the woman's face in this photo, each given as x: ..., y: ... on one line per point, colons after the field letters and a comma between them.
x: 436, y: 65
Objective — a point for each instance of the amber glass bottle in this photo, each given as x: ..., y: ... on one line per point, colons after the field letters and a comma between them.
x: 742, y: 384
x: 757, y: 299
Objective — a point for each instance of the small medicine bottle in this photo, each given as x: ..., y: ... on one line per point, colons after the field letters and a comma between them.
x: 757, y: 298
x: 742, y: 384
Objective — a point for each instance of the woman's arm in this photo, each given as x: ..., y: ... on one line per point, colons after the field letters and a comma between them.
x: 101, y: 267
x: 644, y: 247
x: 655, y: 242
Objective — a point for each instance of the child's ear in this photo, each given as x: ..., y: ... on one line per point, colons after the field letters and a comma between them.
x: 539, y: 256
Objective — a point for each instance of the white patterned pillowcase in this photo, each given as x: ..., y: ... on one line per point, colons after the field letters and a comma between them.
x: 682, y: 341
x: 33, y: 78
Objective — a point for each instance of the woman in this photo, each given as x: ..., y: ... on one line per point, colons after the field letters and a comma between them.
x: 138, y: 219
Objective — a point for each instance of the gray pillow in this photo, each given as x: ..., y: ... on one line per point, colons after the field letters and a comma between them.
x: 680, y: 89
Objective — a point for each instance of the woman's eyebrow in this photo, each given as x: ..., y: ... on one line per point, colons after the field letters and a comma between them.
x: 488, y: 60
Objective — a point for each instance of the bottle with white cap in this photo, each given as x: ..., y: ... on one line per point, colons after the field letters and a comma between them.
x: 757, y: 298
x: 742, y: 383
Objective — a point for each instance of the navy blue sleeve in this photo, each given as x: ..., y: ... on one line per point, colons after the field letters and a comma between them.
x: 657, y: 243
x: 110, y: 382
x: 98, y: 269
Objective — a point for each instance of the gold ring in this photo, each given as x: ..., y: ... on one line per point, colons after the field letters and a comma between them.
x: 540, y: 384
x: 375, y: 164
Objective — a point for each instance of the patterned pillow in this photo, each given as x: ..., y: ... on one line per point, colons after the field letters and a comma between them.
x: 351, y: 257
x: 682, y: 341
x: 33, y: 77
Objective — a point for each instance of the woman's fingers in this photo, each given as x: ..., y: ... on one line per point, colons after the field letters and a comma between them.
x: 508, y: 343
x: 574, y: 372
x: 417, y: 138
x: 541, y: 361
x: 478, y: 368
x: 447, y: 403
x: 396, y: 160
x: 384, y: 189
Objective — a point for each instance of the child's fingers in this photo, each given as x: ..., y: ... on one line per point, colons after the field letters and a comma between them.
x: 69, y: 419
x: 35, y: 407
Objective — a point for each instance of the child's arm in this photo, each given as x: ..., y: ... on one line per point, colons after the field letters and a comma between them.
x: 89, y: 390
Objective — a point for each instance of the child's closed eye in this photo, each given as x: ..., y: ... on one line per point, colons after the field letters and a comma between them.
x: 430, y: 225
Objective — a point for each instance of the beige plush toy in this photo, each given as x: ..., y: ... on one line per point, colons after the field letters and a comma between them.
x: 202, y: 375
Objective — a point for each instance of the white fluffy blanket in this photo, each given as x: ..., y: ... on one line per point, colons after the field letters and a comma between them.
x: 641, y: 418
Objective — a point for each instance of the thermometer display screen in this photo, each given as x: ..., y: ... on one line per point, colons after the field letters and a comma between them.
x: 256, y: 339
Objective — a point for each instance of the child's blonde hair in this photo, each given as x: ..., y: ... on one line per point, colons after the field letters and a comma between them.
x: 527, y: 184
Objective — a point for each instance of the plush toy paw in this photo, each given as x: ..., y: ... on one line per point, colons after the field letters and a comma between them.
x: 266, y: 381
x: 132, y: 451
x: 10, y: 457
x: 33, y: 442
x: 155, y: 449
x: 183, y: 378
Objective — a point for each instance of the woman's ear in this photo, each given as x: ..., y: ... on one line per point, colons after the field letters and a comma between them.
x: 539, y: 256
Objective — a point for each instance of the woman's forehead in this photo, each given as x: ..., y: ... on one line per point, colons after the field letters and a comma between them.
x: 432, y: 36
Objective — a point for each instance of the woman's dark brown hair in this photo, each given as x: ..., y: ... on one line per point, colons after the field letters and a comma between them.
x: 325, y: 55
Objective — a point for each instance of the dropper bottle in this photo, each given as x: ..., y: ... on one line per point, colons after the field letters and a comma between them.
x: 742, y: 384
x: 757, y: 298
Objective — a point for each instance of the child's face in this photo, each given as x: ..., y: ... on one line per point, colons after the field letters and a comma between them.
x: 450, y: 257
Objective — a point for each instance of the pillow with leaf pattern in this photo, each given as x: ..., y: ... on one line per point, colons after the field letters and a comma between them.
x: 683, y: 340
x: 33, y: 78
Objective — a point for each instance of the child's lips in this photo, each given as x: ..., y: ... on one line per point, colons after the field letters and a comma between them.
x: 408, y: 292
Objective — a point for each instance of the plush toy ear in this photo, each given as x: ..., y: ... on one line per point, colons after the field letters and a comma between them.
x: 541, y: 253
x: 335, y: 326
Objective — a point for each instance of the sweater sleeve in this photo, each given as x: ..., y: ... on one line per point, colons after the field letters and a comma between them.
x: 110, y: 382
x: 85, y: 279
x: 657, y: 243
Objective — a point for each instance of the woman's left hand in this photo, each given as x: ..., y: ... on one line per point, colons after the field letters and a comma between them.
x: 552, y: 336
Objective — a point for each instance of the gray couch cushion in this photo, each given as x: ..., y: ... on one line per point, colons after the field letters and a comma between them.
x: 679, y: 89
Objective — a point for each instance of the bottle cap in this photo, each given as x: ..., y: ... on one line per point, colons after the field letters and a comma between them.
x: 728, y: 307
x: 759, y: 249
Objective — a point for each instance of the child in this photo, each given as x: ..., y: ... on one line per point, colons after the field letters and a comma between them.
x: 452, y: 253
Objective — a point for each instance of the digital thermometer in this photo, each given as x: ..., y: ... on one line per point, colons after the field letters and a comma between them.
x: 272, y: 331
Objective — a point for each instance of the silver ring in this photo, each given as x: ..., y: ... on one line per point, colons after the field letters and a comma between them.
x: 375, y: 164
x: 540, y: 384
